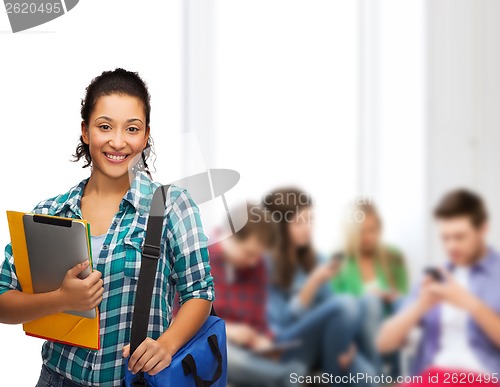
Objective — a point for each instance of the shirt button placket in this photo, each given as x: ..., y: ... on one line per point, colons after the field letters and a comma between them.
x: 88, y: 367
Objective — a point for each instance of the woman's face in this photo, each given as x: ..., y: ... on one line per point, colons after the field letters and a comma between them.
x: 116, y: 132
x: 370, y: 234
x: 243, y: 253
x: 299, y: 227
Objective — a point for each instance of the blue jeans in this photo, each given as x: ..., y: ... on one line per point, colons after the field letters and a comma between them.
x: 373, y: 312
x: 247, y: 369
x: 50, y: 378
x: 326, y: 331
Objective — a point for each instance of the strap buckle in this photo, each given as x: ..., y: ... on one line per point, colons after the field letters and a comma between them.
x: 151, y: 251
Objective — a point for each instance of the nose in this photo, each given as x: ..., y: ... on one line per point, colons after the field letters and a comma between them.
x: 117, y: 140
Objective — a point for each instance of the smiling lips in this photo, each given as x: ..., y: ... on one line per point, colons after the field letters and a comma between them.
x: 115, y: 157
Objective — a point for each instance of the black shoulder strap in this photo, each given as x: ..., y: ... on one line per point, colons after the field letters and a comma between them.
x: 149, y: 264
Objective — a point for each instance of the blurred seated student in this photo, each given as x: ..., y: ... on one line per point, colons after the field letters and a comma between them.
x: 240, y: 280
x: 458, y: 305
x: 301, y: 305
x: 374, y: 272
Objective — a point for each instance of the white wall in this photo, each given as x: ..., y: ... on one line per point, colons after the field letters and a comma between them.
x: 463, y: 103
x: 392, y: 120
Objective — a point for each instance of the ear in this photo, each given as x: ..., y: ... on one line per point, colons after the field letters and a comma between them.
x: 85, y: 133
x: 484, y: 229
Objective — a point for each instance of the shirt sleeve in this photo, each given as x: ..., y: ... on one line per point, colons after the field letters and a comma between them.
x: 401, y: 276
x: 189, y: 245
x: 8, y: 277
x: 408, y: 299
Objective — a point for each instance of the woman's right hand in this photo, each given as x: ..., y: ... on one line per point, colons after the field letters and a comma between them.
x: 241, y: 334
x: 324, y: 272
x: 81, y: 294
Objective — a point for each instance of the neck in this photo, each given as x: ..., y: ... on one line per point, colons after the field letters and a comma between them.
x: 483, y: 250
x: 105, y: 186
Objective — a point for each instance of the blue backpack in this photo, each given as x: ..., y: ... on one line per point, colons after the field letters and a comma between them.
x: 202, y: 361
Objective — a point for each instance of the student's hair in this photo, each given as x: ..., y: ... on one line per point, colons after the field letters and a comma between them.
x: 388, y: 259
x: 352, y: 227
x: 462, y: 202
x: 121, y: 82
x: 281, y: 204
x: 258, y: 224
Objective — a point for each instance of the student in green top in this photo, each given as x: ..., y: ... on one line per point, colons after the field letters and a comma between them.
x: 372, y: 271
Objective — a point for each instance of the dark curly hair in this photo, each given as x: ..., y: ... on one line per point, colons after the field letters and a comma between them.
x: 118, y: 81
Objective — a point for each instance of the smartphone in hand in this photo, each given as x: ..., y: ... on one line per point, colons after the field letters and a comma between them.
x: 338, y: 258
x: 434, y: 273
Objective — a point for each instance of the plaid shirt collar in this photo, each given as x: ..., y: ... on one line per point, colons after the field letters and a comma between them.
x: 140, y: 193
x: 138, y: 196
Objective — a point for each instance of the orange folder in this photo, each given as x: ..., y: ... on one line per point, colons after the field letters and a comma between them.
x: 60, y: 327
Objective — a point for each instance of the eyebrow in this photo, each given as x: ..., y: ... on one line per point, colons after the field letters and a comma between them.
x: 110, y: 119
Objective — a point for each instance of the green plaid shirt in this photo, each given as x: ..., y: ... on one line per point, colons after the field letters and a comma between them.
x: 183, y: 267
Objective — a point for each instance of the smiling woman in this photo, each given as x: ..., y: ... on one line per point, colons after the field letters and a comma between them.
x: 115, y: 200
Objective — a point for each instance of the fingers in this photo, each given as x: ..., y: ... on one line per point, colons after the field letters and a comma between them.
x: 152, y: 362
x: 446, y: 274
x: 436, y: 288
x: 77, y: 269
x: 97, y: 298
x: 164, y: 363
x: 148, y: 357
x: 97, y: 286
x: 93, y: 291
x: 139, y: 364
x: 93, y: 278
x: 136, y: 361
x: 427, y: 279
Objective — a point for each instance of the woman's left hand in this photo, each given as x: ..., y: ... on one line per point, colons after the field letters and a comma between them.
x: 390, y: 296
x: 150, y: 357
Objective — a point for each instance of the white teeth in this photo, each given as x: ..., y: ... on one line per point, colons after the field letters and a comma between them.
x: 114, y: 157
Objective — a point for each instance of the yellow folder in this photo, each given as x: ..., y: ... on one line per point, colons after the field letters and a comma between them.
x: 60, y: 327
